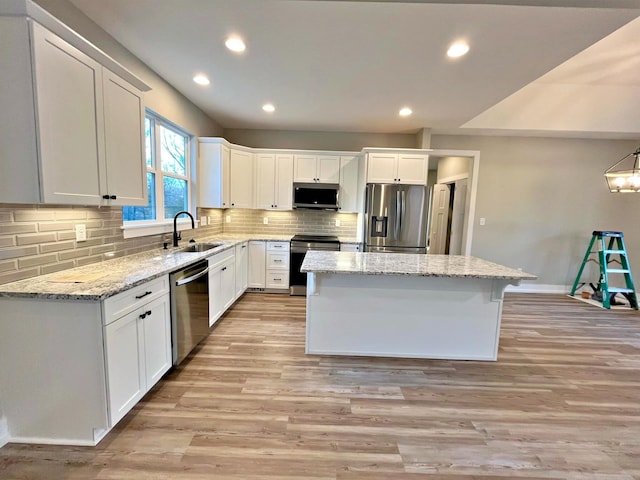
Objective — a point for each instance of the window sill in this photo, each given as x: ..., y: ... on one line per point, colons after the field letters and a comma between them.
x: 144, y: 229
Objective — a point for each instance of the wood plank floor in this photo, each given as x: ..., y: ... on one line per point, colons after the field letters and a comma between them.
x: 562, y: 402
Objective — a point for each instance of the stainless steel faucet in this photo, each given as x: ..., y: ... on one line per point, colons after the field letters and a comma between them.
x: 176, y: 235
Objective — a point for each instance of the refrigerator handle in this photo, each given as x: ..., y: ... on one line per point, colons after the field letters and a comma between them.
x: 366, y: 199
x: 396, y: 227
x: 401, y: 212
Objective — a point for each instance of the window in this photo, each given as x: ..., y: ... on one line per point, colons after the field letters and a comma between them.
x: 168, y: 173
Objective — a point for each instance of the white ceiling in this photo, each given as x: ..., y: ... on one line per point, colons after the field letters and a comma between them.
x: 350, y: 66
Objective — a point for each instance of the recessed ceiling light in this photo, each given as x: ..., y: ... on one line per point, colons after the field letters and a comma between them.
x: 458, y: 49
x: 201, y: 80
x: 268, y: 107
x: 235, y: 44
x: 405, y: 112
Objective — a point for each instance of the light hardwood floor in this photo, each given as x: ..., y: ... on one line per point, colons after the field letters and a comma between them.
x: 562, y: 402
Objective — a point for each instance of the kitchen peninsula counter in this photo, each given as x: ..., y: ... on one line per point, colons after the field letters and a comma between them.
x: 405, y: 305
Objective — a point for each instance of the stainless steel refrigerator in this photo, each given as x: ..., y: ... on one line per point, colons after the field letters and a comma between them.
x: 395, y: 218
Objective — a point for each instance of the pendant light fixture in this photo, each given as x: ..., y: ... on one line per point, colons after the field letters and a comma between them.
x: 624, y: 176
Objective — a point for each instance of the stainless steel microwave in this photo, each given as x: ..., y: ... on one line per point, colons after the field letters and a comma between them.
x: 322, y: 196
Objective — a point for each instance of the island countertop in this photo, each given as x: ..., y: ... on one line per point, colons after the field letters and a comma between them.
x: 371, y: 263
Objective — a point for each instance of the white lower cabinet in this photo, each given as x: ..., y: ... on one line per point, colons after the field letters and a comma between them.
x: 257, y: 263
x: 137, y: 353
x: 268, y: 265
x: 350, y: 247
x: 222, y: 284
x: 242, y: 267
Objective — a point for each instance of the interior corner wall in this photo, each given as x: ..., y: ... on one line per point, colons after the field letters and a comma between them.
x: 452, y: 167
x: 339, y: 141
x: 163, y: 98
x: 543, y: 197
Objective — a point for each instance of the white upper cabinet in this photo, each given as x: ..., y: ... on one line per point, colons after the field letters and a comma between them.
x: 316, y: 169
x: 348, y: 199
x: 274, y: 181
x: 241, y: 179
x: 225, y: 176
x: 397, y: 168
x: 77, y: 128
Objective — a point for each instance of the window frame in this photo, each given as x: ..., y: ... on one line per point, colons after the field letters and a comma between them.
x: 138, y: 228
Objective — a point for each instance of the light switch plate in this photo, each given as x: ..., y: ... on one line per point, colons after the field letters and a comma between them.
x: 203, y: 221
x: 337, y: 222
x: 227, y: 218
x: 81, y: 233
x: 482, y: 221
x: 265, y: 220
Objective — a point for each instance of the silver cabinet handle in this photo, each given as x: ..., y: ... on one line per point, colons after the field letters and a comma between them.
x: 192, y: 278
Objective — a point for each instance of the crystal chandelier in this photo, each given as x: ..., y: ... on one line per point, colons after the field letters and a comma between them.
x: 621, y: 178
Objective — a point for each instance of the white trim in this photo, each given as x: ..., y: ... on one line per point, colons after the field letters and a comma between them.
x: 454, y: 178
x: 4, y: 432
x: 538, y: 288
x: 140, y: 229
x: 54, y: 441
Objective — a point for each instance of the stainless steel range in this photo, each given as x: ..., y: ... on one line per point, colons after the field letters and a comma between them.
x: 300, y: 245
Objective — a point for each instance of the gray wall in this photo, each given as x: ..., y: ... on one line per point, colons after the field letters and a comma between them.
x: 453, y: 166
x: 163, y: 98
x: 346, y: 141
x: 542, y: 198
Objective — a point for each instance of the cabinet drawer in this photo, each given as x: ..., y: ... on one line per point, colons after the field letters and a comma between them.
x: 277, y: 246
x: 219, y: 258
x: 277, y: 279
x: 277, y: 261
x: 124, y: 302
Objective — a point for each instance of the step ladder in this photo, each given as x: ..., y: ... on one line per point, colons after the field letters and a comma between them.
x: 606, y: 250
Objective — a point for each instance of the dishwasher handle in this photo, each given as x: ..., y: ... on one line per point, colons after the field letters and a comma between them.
x: 192, y: 277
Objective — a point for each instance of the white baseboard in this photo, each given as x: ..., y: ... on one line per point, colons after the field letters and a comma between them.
x: 538, y: 288
x: 4, y: 432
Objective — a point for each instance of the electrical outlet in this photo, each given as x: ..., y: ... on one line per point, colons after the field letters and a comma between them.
x: 337, y: 222
x: 482, y: 220
x: 81, y: 233
x: 265, y: 220
x: 203, y: 221
x: 227, y: 219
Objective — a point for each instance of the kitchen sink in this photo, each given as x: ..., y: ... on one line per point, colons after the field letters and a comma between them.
x: 200, y: 247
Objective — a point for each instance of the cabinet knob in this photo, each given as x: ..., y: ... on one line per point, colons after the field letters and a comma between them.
x: 233, y: 204
x: 113, y: 197
x: 223, y: 204
x: 106, y: 197
x: 145, y: 314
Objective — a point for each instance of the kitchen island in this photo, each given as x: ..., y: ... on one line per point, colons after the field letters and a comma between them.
x: 405, y: 305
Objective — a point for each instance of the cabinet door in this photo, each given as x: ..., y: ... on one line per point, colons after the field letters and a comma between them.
x: 284, y: 182
x: 381, y: 167
x: 156, y: 329
x: 257, y: 264
x: 213, y: 175
x: 328, y: 169
x: 228, y: 283
x: 304, y: 168
x: 278, y: 279
x: 241, y: 179
x: 125, y: 365
x: 69, y: 117
x: 348, y: 199
x: 216, y: 303
x: 413, y: 169
x: 124, y: 141
x: 265, y: 181
x: 226, y: 176
x: 241, y: 268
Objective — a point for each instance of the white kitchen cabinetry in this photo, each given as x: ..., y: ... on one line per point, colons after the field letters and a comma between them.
x: 274, y: 181
x: 348, y: 199
x: 137, y: 336
x: 222, y: 284
x: 76, y: 127
x: 86, y: 361
x: 225, y: 175
x: 242, y: 267
x: 257, y: 264
x: 277, y: 265
x: 397, y: 168
x: 316, y: 168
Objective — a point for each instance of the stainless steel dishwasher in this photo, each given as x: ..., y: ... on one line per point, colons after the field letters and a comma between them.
x: 189, y: 308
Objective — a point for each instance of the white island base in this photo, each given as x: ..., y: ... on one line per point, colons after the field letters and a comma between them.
x: 404, y: 316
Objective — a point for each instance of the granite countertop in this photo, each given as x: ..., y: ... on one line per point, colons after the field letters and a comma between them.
x: 122, y: 273
x: 454, y: 266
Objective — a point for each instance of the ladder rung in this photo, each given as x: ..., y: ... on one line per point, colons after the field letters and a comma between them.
x: 618, y: 270
x: 618, y: 252
x: 620, y: 290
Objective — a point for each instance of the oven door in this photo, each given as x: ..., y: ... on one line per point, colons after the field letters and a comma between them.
x: 297, y: 279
